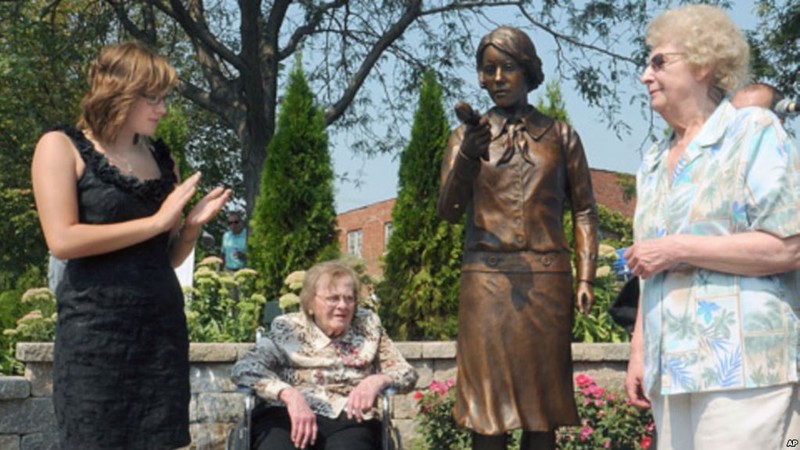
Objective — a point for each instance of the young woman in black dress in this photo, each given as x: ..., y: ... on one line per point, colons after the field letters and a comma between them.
x: 110, y: 202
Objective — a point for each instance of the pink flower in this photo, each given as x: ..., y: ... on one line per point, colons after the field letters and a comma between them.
x: 586, y: 432
x: 584, y: 380
x: 450, y: 383
x: 607, y: 444
x: 417, y: 395
x: 599, y: 403
x: 650, y: 427
x: 436, y: 386
x: 646, y: 441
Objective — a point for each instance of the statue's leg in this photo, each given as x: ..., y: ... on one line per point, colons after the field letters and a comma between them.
x: 486, y: 442
x: 538, y: 440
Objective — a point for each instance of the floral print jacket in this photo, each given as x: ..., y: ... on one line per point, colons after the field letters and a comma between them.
x: 295, y: 352
x: 706, y: 330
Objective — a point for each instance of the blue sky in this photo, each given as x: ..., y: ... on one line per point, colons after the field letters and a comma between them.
x: 377, y: 176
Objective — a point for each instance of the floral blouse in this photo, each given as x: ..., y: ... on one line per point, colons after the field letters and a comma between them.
x: 706, y: 330
x: 295, y: 352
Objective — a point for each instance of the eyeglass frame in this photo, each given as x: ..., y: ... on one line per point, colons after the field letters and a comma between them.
x: 334, y: 300
x: 153, y: 100
x: 657, y: 61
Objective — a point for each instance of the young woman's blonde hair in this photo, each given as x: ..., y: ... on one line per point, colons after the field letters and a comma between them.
x: 122, y: 73
x: 710, y: 39
x: 335, y: 271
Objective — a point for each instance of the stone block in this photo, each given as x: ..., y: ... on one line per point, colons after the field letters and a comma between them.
x: 9, y: 442
x: 35, y: 351
x: 424, y: 370
x: 600, y: 352
x: 40, y: 374
x: 404, y: 406
x: 410, y: 350
x: 39, y: 441
x: 438, y: 350
x: 406, y: 432
x: 32, y: 415
x: 444, y: 369
x: 210, y: 352
x: 14, y: 388
x: 215, y: 407
x: 208, y: 436
x: 211, y: 377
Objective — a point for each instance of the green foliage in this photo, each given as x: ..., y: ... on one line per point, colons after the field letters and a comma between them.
x: 223, y: 306
x: 555, y: 106
x: 294, y: 217
x: 17, y: 303
x: 419, y: 293
x: 22, y: 245
x: 775, y: 45
x: 598, y: 326
x: 607, y: 421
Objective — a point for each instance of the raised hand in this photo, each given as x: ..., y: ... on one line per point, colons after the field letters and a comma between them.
x: 171, y: 211
x: 476, y: 140
x: 208, y: 207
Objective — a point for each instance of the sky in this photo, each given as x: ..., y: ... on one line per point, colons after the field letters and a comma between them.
x: 377, y: 176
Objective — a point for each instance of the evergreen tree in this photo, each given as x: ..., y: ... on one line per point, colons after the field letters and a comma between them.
x: 294, y: 217
x: 419, y: 294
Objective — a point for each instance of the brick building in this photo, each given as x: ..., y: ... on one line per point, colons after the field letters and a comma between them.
x: 364, y: 232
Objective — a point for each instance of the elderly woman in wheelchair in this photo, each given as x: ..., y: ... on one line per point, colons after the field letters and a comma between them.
x: 320, y: 370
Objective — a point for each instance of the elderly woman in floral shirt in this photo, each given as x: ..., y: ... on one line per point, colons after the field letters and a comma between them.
x: 320, y: 370
x: 717, y: 237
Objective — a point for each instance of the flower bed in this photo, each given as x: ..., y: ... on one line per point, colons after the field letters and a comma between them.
x: 607, y: 420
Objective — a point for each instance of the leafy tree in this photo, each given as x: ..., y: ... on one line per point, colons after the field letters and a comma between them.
x: 776, y: 44
x: 294, y: 218
x: 239, y: 49
x: 419, y: 293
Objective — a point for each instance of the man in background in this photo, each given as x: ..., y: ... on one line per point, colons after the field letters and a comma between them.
x: 234, y: 243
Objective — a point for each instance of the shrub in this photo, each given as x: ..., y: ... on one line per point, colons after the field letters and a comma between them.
x: 607, y: 421
x: 223, y: 306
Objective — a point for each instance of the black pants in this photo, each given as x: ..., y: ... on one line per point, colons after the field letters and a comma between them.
x: 272, y: 429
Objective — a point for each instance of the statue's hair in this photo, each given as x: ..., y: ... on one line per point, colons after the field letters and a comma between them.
x: 519, y: 46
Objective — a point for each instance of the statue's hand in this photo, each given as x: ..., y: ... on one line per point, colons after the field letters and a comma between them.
x: 585, y: 297
x: 476, y: 140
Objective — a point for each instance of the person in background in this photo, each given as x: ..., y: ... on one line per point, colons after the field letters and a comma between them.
x: 234, y: 243
x: 716, y: 237
x: 758, y: 94
x: 514, y: 173
x: 320, y: 370
x: 110, y: 202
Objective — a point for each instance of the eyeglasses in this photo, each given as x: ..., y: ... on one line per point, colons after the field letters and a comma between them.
x: 333, y: 300
x: 154, y: 100
x: 658, y: 61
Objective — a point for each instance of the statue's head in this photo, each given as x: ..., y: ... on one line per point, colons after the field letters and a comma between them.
x: 519, y: 46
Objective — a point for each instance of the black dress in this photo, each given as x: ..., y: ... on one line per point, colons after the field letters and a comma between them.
x: 121, y: 363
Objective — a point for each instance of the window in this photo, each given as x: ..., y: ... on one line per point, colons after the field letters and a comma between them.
x: 387, y: 233
x: 354, y: 240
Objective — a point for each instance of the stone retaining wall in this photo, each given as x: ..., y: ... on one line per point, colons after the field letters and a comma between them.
x: 26, y: 409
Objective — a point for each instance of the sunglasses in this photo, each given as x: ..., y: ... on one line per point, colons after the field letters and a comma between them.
x: 233, y: 222
x: 658, y: 61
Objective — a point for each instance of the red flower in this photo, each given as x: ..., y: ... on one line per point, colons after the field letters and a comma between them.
x: 417, y: 395
x: 646, y: 441
x: 584, y: 380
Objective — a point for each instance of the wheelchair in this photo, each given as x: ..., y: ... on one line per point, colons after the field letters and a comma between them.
x: 240, y: 436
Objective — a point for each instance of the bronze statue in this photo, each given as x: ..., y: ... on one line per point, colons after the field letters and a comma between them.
x: 513, y: 171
